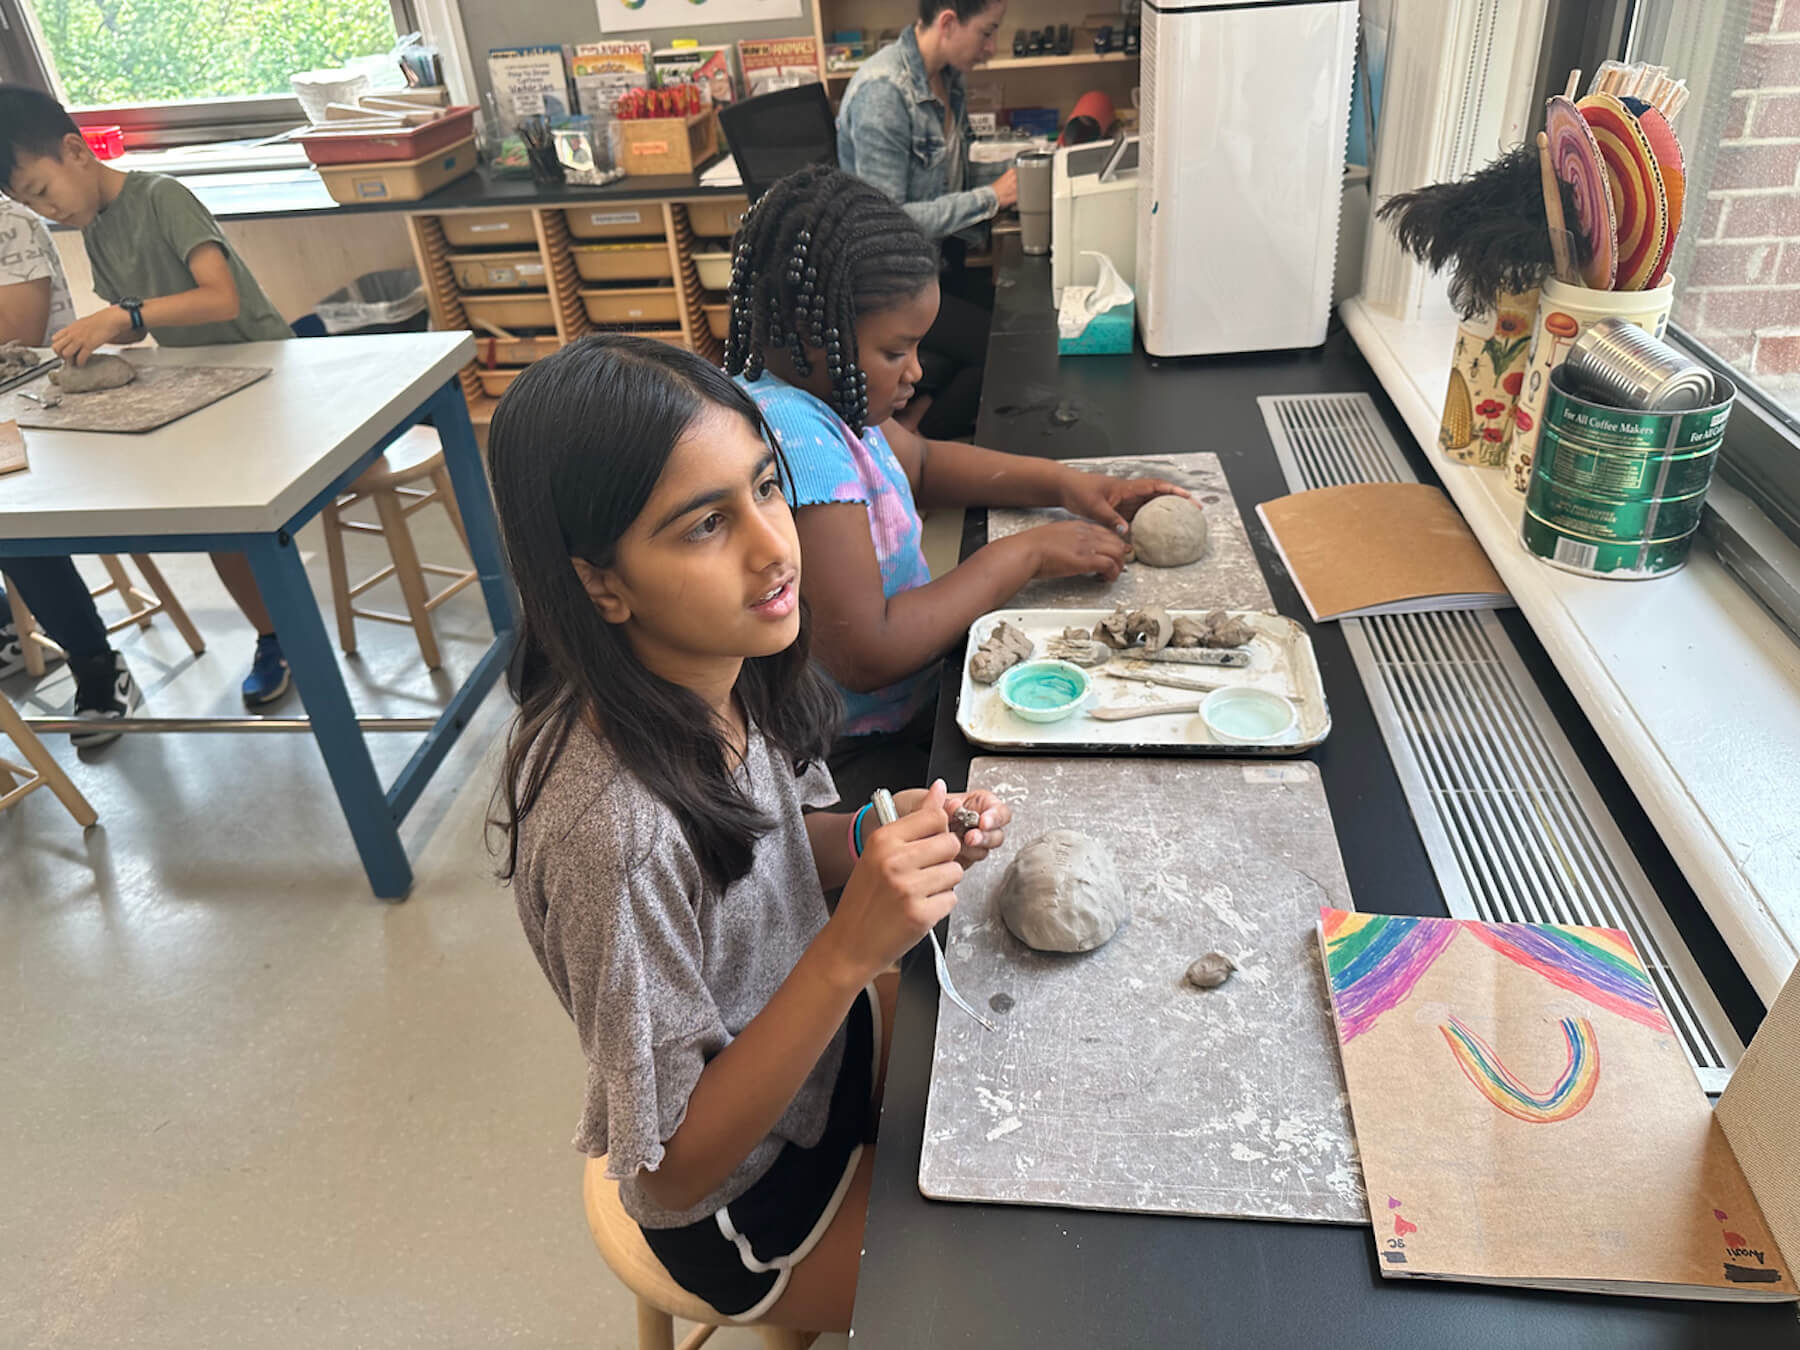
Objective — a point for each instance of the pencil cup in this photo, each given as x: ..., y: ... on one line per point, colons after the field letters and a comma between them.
x: 1564, y: 313
x: 1487, y: 371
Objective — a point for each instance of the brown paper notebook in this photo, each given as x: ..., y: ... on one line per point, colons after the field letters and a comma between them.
x: 1526, y: 1116
x: 12, y: 448
x: 1380, y: 548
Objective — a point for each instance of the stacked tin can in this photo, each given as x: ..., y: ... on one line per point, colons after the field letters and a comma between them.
x: 1631, y: 434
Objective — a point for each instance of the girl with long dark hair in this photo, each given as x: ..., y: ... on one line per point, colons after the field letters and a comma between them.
x: 832, y: 289
x: 658, y: 806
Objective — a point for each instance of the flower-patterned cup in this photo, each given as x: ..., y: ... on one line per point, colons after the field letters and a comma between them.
x: 1487, y: 370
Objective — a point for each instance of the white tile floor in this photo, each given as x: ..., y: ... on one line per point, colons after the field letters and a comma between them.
x: 247, y: 1105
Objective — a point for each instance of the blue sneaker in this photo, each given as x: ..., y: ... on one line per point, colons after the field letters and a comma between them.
x: 269, y: 677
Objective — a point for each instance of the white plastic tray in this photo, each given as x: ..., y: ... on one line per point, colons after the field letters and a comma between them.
x: 1281, y: 661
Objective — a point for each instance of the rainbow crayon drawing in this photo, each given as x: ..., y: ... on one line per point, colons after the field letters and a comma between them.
x: 1374, y: 960
x: 1521, y: 1088
x: 1573, y: 1089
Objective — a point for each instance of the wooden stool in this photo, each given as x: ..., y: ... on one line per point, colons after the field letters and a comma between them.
x: 16, y: 780
x: 659, y: 1299
x: 140, y: 608
x: 415, y: 455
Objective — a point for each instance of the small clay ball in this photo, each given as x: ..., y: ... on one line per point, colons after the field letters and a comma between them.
x: 962, y: 820
x: 1063, y: 894
x: 1169, y: 532
x: 101, y: 372
x: 1210, y: 971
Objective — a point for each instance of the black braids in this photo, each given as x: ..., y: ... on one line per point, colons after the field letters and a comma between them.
x: 819, y: 250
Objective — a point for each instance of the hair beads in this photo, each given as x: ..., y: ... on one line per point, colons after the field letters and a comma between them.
x: 817, y: 250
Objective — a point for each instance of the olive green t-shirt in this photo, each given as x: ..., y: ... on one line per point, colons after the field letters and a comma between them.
x: 139, y: 246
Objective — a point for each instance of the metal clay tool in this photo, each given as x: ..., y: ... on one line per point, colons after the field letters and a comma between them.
x: 887, y: 814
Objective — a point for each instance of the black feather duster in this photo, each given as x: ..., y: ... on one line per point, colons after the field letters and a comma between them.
x: 1488, y: 229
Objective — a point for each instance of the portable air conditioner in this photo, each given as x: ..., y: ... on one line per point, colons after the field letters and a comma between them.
x: 1245, y: 107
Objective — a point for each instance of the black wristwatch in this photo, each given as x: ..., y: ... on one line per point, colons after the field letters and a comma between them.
x: 134, y: 307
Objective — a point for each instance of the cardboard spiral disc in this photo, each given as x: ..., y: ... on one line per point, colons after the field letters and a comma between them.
x: 1666, y: 146
x: 1575, y: 154
x: 1639, y: 198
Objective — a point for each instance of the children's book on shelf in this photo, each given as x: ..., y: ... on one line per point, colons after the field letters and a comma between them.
x: 778, y: 63
x: 602, y: 71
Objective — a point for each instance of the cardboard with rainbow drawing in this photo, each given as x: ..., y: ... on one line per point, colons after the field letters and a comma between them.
x: 1526, y: 1115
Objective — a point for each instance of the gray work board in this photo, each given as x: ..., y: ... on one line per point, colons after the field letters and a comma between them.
x: 1111, y: 1083
x: 1226, y: 576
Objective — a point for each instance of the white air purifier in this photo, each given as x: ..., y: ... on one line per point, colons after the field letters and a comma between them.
x: 1244, y: 111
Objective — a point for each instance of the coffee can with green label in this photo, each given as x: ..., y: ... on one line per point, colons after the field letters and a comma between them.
x: 1618, y: 492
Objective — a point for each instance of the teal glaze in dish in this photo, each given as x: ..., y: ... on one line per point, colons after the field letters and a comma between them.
x: 1043, y: 691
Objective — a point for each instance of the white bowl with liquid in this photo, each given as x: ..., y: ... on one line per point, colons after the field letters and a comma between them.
x: 1244, y: 716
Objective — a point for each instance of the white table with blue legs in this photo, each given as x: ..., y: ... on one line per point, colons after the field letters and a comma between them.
x: 245, y: 474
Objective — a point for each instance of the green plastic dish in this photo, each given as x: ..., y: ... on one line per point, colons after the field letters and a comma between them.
x: 1043, y: 691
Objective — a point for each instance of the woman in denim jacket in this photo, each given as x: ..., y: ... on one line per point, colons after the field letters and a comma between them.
x: 904, y: 127
x: 904, y: 121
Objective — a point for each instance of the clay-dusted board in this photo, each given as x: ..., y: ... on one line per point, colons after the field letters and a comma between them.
x: 159, y: 395
x: 46, y: 360
x: 1110, y: 1084
x: 1282, y: 661
x: 1226, y: 577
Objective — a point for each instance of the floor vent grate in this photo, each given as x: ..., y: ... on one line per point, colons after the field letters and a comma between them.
x: 1515, y: 829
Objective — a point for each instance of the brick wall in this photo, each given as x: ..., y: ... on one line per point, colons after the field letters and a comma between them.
x: 1742, y: 292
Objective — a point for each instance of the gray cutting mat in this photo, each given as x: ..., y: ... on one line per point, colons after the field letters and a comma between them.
x: 159, y: 395
x: 1111, y: 1084
x: 1227, y: 577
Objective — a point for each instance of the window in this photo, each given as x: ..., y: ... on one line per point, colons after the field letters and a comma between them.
x: 1737, y: 263
x: 209, y: 68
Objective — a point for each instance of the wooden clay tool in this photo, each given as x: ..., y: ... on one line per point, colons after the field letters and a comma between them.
x: 1143, y: 710
x: 1553, y: 215
x: 887, y: 813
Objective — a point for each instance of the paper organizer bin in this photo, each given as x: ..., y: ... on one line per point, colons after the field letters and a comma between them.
x: 650, y: 304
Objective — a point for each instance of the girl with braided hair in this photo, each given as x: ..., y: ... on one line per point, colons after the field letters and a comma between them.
x: 832, y: 289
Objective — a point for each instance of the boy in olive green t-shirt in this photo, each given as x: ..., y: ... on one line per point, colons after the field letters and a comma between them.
x: 160, y: 259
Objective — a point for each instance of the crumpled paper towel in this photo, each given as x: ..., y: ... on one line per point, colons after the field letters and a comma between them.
x: 1080, y: 304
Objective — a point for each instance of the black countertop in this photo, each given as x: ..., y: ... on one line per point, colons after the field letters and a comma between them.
x: 939, y: 1274
x: 276, y: 194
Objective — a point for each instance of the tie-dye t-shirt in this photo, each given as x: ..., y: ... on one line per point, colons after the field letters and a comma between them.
x: 829, y: 464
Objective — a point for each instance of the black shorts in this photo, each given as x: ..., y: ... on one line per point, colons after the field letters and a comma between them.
x: 738, y: 1259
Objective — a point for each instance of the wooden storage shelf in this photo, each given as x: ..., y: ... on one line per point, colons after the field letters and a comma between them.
x: 554, y: 242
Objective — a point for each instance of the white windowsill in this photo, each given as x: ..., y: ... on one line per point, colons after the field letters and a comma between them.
x: 1692, y: 686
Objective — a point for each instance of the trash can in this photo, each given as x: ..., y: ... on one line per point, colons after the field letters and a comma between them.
x: 392, y: 301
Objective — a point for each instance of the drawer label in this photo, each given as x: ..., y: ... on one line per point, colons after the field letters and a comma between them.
x: 618, y: 217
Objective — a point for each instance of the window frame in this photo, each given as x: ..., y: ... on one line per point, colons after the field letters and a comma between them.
x: 1760, y: 457
x: 25, y: 59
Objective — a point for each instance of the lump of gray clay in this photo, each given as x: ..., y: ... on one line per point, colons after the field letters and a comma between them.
x: 101, y: 372
x: 1169, y: 532
x: 1210, y: 971
x: 962, y: 820
x: 1004, y: 648
x: 1063, y: 894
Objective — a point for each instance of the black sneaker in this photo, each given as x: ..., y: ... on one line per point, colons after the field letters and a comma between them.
x: 103, y: 694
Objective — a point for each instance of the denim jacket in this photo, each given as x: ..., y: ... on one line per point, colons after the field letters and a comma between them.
x: 891, y: 133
